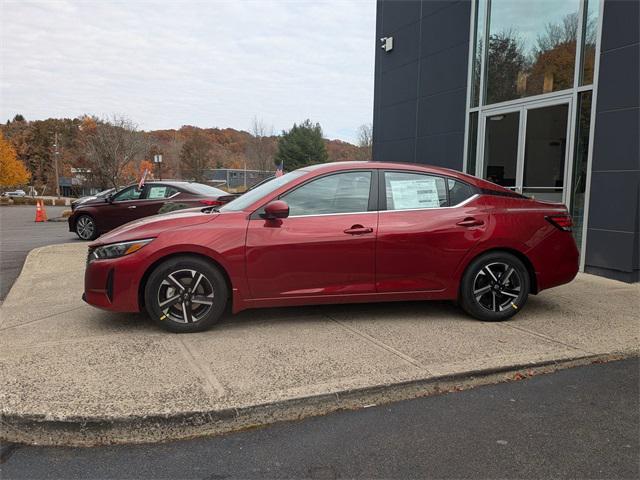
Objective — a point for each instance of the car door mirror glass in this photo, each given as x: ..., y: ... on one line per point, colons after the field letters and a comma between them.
x: 276, y: 209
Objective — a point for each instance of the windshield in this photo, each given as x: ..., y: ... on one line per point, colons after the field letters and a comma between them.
x: 263, y: 190
x: 205, y: 189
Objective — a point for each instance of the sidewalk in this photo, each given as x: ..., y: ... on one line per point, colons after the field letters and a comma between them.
x: 71, y: 374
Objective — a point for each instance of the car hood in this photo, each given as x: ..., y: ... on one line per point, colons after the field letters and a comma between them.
x: 152, y: 226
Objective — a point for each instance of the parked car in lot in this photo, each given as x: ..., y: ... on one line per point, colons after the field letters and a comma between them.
x: 15, y: 193
x: 95, y: 217
x: 102, y: 194
x: 338, y: 233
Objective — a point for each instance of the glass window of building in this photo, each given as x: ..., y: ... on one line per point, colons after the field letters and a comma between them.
x: 531, y: 48
x: 589, y: 35
x: 481, y: 12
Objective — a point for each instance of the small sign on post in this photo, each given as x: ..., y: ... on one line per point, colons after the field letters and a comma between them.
x: 157, y: 158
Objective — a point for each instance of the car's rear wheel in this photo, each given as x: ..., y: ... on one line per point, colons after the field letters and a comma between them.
x: 86, y: 228
x: 186, y: 294
x: 494, y: 287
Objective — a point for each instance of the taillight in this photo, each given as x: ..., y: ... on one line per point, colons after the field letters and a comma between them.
x: 210, y: 203
x: 563, y: 222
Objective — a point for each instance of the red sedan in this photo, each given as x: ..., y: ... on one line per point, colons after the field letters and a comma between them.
x: 338, y: 233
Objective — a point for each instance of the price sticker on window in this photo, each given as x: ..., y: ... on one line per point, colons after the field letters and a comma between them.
x: 418, y: 193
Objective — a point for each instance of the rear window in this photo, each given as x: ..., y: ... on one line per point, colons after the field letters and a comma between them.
x: 205, y: 189
x: 459, y: 192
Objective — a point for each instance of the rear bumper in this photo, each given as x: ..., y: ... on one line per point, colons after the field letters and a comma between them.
x: 556, y: 260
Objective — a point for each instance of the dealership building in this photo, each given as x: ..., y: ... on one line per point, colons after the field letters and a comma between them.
x: 540, y: 96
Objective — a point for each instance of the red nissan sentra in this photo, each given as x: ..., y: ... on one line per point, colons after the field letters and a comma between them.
x: 338, y: 233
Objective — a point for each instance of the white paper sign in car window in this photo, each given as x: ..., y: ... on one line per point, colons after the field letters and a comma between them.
x: 420, y: 193
x: 157, y: 192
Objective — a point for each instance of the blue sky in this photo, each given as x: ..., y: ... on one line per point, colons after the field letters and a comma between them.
x: 212, y: 64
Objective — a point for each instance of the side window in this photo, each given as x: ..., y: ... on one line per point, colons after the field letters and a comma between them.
x: 129, y: 193
x: 459, y: 191
x: 414, y: 190
x: 160, y: 191
x: 340, y: 193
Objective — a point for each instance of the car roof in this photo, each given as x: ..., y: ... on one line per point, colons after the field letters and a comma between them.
x: 419, y: 167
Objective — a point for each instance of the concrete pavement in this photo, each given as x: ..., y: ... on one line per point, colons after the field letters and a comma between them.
x: 71, y: 374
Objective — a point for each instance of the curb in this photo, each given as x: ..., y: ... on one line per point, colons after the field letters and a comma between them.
x: 83, y: 432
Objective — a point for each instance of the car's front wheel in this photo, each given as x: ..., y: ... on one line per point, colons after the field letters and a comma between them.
x: 86, y: 228
x: 494, y: 287
x: 186, y: 294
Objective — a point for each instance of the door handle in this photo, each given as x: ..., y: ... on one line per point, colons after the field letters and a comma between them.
x: 470, y: 222
x: 131, y: 206
x: 358, y: 230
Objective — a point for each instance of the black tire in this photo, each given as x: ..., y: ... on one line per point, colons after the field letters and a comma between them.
x: 495, y: 287
x: 86, y: 228
x: 186, y: 310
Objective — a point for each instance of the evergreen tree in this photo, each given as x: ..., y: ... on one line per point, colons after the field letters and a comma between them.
x: 302, y: 145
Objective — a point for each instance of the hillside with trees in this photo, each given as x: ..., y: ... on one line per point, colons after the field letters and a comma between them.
x: 112, y: 151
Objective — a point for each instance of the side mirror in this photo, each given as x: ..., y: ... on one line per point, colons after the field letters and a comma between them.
x: 109, y: 198
x: 276, y: 209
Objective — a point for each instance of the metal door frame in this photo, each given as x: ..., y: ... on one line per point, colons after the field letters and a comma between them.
x: 523, y: 109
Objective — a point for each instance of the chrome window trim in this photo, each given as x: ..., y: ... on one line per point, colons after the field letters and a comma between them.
x: 332, y: 214
x: 457, y: 205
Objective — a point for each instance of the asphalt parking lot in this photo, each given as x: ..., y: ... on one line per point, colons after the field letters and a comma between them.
x: 19, y: 233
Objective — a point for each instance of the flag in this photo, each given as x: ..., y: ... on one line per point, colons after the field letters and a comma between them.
x: 143, y: 178
x: 280, y: 169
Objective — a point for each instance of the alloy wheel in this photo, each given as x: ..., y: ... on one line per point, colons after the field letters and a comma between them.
x: 497, y: 286
x: 185, y: 296
x: 85, y: 228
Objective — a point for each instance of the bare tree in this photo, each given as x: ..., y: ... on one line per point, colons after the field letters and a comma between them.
x: 261, y: 147
x: 365, y: 140
x: 110, y: 147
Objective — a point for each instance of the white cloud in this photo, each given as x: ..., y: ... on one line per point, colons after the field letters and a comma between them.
x: 169, y: 63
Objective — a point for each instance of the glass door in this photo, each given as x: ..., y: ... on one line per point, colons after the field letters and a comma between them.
x: 525, y: 148
x: 545, y: 152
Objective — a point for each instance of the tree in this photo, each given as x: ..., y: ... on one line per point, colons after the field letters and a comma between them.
x: 12, y: 170
x: 302, y: 145
x: 110, y: 147
x: 506, y: 66
x: 196, y: 156
x: 260, y: 147
x: 365, y: 140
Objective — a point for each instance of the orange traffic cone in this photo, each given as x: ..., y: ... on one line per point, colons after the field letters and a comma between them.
x: 41, y: 213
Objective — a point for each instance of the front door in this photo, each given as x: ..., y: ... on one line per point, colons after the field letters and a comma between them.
x: 325, y: 247
x: 122, y: 208
x: 525, y: 148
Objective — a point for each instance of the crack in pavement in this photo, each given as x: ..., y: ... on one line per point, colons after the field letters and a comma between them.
x: 382, y: 345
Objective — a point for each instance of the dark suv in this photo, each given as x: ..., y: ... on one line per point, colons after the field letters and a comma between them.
x: 95, y: 217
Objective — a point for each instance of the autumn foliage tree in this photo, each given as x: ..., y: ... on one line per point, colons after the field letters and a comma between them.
x: 12, y: 170
x: 196, y: 156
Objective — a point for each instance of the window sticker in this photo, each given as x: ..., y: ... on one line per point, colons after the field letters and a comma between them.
x: 420, y: 193
x: 157, y: 192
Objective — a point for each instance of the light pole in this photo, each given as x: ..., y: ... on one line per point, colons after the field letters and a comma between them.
x: 55, y: 164
x: 157, y: 159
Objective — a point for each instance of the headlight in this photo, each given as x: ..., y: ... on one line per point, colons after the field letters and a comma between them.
x: 115, y: 250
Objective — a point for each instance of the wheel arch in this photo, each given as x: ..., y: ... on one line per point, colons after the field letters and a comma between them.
x: 154, y: 265
x: 533, y: 279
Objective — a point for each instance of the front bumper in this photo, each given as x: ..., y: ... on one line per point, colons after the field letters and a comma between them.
x: 113, y: 284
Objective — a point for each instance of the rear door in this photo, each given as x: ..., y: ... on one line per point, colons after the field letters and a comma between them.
x: 325, y: 247
x: 154, y: 197
x: 424, y: 230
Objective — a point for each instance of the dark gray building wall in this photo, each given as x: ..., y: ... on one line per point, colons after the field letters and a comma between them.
x: 613, y: 241
x: 421, y: 85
